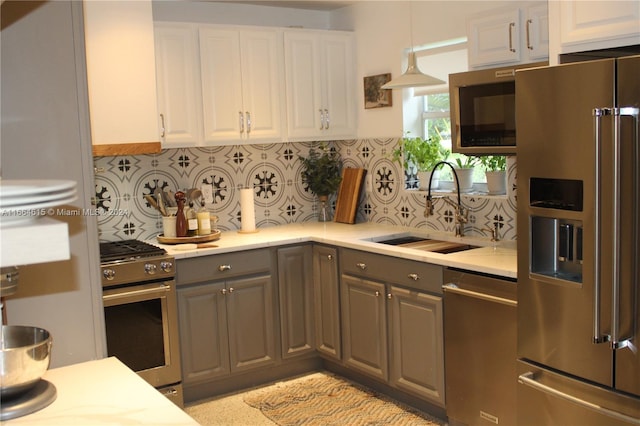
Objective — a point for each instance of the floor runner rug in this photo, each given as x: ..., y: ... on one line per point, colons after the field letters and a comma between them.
x: 324, y: 399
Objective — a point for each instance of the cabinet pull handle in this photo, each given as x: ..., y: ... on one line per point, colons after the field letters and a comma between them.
x: 326, y: 119
x: 389, y: 296
x: 512, y: 25
x: 377, y: 293
x: 321, y: 119
x: 230, y: 289
x: 414, y: 277
x: 361, y: 265
x: 223, y: 268
x: 241, y: 118
x: 163, y: 130
x: 529, y: 46
x: 223, y: 291
x: 248, y: 122
x: 329, y: 257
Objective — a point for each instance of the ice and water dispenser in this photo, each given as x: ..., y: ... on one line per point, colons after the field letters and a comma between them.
x: 556, y: 238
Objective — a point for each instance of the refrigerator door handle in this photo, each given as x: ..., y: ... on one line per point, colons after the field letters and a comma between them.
x: 528, y: 379
x: 617, y: 341
x: 598, y: 337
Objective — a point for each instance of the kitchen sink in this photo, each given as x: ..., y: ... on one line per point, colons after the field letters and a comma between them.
x: 428, y: 244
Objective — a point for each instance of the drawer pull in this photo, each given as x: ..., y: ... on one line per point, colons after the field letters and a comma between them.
x: 361, y: 265
x: 414, y: 277
x: 223, y: 268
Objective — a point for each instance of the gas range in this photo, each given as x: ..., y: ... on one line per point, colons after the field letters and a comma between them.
x: 133, y: 261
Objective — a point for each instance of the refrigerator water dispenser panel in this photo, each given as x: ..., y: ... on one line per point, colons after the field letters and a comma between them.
x: 556, y: 249
x: 562, y: 194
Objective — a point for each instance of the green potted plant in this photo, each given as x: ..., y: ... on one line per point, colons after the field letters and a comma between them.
x: 495, y: 167
x: 322, y: 173
x: 424, y: 154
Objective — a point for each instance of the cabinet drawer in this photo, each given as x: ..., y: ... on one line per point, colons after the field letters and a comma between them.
x: 222, y: 266
x: 407, y: 273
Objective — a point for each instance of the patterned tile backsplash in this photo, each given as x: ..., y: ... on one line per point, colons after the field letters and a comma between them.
x: 273, y: 170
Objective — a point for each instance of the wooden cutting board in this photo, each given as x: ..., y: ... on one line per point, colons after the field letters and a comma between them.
x: 349, y: 195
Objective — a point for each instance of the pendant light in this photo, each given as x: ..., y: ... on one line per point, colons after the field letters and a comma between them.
x: 412, y: 77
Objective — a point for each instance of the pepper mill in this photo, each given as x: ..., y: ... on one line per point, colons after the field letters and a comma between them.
x: 181, y: 220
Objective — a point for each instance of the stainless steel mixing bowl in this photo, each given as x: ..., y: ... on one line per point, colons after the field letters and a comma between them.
x: 24, y: 357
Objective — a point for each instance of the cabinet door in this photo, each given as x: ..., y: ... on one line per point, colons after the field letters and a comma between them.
x: 327, y: 301
x: 178, y: 84
x: 588, y: 25
x: 364, y: 326
x: 494, y: 38
x: 203, y: 332
x: 417, y: 352
x: 220, y: 66
x: 121, y: 72
x: 303, y: 85
x: 262, y: 85
x: 241, y: 84
x: 251, y: 322
x: 339, y: 83
x: 537, y: 32
x: 296, y: 300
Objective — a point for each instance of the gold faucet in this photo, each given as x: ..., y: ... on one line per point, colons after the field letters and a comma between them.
x: 461, y: 213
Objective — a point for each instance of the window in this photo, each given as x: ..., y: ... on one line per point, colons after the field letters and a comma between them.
x: 432, y: 118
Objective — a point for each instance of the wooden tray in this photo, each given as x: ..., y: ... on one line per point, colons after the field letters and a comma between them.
x: 214, y: 235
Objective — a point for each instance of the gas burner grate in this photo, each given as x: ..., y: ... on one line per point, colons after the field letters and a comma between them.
x: 126, y: 249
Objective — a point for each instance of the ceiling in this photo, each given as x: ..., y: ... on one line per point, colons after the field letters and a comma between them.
x: 295, y: 4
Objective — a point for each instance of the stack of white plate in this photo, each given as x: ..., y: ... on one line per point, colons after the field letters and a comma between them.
x: 27, y: 200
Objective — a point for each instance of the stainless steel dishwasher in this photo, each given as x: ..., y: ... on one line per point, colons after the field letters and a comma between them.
x: 480, y: 344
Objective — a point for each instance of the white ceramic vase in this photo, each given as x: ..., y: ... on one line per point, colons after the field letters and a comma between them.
x: 465, y: 177
x: 496, y: 182
x: 423, y: 180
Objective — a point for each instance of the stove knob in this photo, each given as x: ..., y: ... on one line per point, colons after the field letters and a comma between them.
x: 166, y: 266
x: 150, y: 268
x: 109, y: 274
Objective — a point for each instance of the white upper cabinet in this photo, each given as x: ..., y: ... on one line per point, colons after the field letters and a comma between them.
x: 509, y: 35
x: 242, y: 85
x: 320, y: 85
x: 120, y: 57
x: 590, y: 25
x: 219, y: 85
x: 179, y: 98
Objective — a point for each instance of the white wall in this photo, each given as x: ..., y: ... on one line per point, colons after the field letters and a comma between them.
x: 383, y: 35
x: 238, y: 14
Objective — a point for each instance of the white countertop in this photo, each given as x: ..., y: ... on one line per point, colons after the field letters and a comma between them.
x: 104, y: 392
x: 491, y: 258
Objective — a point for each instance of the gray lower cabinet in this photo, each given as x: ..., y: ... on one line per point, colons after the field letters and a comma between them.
x: 295, y: 284
x: 392, y: 321
x: 416, y: 330
x: 326, y: 286
x: 226, y: 309
x: 364, y: 326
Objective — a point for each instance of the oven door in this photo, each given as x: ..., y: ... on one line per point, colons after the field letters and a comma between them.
x: 141, y: 324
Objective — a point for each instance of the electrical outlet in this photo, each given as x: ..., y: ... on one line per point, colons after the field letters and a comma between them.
x: 207, y: 193
x: 369, y: 182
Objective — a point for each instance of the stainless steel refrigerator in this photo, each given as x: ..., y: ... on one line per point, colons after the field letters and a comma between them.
x: 578, y: 243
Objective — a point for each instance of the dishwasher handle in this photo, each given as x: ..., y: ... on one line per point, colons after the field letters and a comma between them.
x: 454, y: 289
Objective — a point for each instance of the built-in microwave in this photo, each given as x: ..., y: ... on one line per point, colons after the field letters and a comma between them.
x: 483, y: 110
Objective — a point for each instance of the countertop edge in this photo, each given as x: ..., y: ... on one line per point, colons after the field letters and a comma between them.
x: 499, y: 259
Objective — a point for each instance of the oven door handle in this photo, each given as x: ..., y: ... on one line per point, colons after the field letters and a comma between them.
x: 138, y: 293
